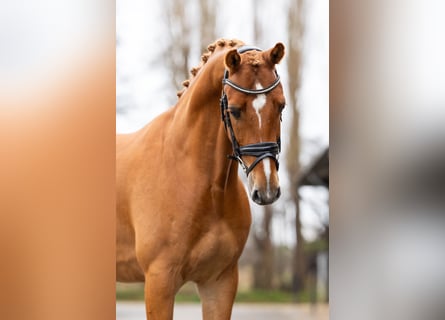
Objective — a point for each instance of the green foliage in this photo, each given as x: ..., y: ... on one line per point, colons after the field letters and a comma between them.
x: 135, y: 292
x: 318, y: 245
x: 270, y: 296
x: 130, y: 292
x: 187, y: 297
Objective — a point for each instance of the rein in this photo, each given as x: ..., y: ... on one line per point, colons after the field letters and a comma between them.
x: 260, y: 150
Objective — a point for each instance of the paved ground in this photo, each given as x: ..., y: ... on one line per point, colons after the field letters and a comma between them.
x: 136, y: 311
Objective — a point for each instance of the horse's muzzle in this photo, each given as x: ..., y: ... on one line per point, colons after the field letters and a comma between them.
x: 263, y: 197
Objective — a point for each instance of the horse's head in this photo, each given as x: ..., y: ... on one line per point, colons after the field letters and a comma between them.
x: 251, y: 106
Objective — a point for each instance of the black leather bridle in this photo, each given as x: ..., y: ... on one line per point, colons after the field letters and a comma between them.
x: 260, y: 150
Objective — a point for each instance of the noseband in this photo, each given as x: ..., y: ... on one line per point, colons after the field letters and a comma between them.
x: 260, y: 150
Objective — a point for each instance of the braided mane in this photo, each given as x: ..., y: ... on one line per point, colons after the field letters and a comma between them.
x: 218, y: 45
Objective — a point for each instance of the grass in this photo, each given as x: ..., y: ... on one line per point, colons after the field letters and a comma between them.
x: 261, y: 296
x: 135, y: 292
x: 130, y: 292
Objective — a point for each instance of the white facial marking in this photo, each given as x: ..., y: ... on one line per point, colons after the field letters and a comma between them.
x: 267, y: 171
x: 259, y: 103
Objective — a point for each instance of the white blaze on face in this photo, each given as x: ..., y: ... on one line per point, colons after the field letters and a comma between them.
x: 267, y: 172
x: 259, y: 103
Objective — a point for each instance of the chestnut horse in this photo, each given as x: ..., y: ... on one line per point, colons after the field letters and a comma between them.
x: 182, y: 211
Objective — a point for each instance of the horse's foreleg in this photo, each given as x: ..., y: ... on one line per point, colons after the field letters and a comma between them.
x: 160, y: 290
x: 217, y: 295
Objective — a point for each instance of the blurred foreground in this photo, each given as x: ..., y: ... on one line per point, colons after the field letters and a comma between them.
x: 136, y: 311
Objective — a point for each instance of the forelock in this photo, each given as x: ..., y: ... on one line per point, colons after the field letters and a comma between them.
x: 253, y: 58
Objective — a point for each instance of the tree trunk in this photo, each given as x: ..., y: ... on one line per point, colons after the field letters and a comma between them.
x: 295, y: 23
x: 264, y: 266
x: 207, y: 23
x: 177, y: 51
x: 263, y: 272
x: 299, y: 258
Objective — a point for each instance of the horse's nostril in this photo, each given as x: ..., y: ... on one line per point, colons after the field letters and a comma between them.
x: 268, y: 197
x: 256, y: 196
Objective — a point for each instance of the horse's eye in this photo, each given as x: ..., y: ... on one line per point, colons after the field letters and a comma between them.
x: 235, y: 112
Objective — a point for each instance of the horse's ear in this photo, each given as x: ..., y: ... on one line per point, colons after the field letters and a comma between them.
x: 232, y: 60
x: 275, y: 54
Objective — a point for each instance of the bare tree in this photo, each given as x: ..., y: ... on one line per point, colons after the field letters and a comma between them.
x: 296, y: 29
x: 183, y: 28
x: 264, y: 265
x: 208, y: 22
x: 179, y: 40
x: 257, y: 26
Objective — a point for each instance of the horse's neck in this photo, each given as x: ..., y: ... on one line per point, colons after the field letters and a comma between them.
x: 199, y: 131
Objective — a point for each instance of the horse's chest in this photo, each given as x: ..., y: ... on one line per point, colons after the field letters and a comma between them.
x: 213, y: 252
